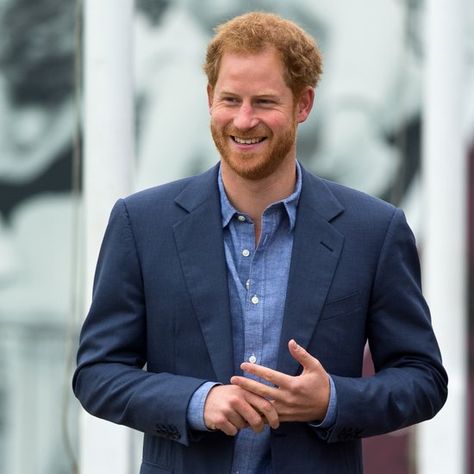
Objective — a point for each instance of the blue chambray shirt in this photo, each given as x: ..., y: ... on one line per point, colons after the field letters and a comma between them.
x: 257, y: 280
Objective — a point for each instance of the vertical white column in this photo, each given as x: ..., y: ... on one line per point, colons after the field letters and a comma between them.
x: 109, y: 153
x: 442, y: 441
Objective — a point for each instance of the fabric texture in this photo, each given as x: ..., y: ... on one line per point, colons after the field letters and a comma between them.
x: 161, y: 298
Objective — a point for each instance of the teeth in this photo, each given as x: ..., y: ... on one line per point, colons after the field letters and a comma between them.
x: 247, y: 141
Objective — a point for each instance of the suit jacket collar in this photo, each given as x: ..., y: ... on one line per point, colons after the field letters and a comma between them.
x: 316, y: 250
x: 200, y: 245
x: 317, y: 247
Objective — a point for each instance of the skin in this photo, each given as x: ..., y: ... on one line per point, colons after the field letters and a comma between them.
x: 251, y: 101
x: 299, y: 398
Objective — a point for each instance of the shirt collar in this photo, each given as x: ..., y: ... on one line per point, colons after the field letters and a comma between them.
x: 290, y: 203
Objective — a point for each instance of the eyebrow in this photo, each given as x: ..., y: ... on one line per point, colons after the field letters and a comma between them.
x: 267, y: 95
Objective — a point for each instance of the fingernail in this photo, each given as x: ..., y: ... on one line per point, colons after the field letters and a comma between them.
x: 294, y: 344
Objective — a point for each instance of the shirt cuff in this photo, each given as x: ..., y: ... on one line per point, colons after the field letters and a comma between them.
x: 330, y: 417
x: 195, y: 413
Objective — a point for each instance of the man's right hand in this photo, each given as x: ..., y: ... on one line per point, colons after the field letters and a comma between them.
x: 230, y: 408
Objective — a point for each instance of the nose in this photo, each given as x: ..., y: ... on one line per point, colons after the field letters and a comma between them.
x: 245, y: 118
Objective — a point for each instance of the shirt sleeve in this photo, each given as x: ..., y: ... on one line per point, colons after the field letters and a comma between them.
x: 330, y: 417
x: 195, y: 413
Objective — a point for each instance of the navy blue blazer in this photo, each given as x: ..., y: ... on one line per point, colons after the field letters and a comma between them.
x: 159, y: 325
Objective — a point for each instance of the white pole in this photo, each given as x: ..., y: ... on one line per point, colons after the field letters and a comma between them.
x: 442, y: 441
x: 109, y: 152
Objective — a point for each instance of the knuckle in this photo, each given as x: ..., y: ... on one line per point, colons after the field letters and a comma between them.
x: 256, y: 423
x: 226, y: 412
x: 220, y: 421
x: 266, y: 407
x: 234, y: 400
x: 270, y: 377
x: 293, y: 386
x: 298, y: 386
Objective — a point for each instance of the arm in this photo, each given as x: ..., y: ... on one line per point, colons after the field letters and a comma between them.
x: 410, y: 384
x: 229, y: 409
x: 303, y: 397
x: 110, y: 381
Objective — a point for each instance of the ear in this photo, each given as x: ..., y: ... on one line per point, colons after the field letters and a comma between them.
x: 210, y: 96
x: 304, y: 104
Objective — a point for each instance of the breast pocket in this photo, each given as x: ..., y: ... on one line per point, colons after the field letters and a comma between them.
x: 341, y: 306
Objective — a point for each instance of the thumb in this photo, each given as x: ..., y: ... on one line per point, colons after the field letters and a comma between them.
x: 303, y: 356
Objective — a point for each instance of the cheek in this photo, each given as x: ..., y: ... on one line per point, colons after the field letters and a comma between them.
x: 278, y: 126
x: 220, y: 118
x: 279, y: 121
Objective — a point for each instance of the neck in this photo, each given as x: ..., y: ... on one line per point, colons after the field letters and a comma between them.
x: 252, y: 197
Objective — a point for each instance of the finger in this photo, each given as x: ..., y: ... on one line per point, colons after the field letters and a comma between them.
x: 273, y: 376
x: 255, y: 387
x: 302, y: 356
x: 237, y: 420
x: 227, y: 427
x: 266, y: 409
x: 249, y: 414
x: 258, y: 411
x: 230, y: 423
x: 257, y: 424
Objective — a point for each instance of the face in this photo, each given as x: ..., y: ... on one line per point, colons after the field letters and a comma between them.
x: 254, y: 115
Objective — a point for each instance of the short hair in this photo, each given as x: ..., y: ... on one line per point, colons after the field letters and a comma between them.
x: 252, y: 32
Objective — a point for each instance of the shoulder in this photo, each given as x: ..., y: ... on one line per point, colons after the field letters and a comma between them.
x: 167, y: 196
x: 163, y: 192
x: 357, y: 201
x: 343, y: 200
x: 361, y: 218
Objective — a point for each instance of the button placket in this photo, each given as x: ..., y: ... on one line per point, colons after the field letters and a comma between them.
x: 254, y: 309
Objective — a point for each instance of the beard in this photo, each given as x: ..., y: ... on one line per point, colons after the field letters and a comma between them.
x: 253, y: 165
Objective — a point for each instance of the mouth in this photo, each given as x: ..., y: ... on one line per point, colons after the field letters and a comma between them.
x: 248, y: 141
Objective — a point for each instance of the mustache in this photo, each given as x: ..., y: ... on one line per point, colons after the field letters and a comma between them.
x: 259, y: 131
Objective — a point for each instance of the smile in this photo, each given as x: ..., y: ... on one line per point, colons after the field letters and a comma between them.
x: 247, y: 141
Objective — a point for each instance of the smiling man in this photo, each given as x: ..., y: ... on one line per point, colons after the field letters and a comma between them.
x: 250, y: 292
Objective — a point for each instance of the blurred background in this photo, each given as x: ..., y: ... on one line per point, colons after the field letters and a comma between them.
x: 366, y: 131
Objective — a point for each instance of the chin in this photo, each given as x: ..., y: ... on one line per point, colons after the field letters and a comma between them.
x: 252, y: 168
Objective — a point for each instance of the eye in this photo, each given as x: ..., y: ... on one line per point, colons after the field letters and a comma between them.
x: 265, y: 102
x: 230, y: 100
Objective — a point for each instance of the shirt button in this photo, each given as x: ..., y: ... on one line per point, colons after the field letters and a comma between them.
x: 255, y: 299
x: 241, y: 218
x: 247, y: 284
x: 252, y: 359
x: 245, y: 252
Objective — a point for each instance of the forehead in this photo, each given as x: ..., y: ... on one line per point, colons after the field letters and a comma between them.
x: 263, y: 69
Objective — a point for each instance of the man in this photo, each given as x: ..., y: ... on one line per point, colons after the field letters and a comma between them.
x: 250, y: 292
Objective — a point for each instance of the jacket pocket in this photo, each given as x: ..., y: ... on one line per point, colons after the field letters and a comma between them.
x: 341, y: 306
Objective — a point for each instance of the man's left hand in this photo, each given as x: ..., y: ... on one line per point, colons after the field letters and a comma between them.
x: 300, y: 398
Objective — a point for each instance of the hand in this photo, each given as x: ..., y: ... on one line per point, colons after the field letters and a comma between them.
x: 301, y: 398
x: 230, y: 408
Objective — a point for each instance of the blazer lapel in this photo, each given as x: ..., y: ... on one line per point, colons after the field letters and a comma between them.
x: 317, y: 246
x: 200, y: 246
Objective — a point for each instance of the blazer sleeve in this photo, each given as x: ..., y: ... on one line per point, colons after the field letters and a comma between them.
x: 110, y: 380
x: 410, y: 383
